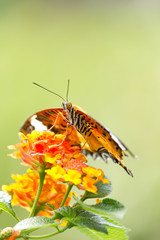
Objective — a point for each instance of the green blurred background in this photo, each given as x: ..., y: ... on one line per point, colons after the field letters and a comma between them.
x: 111, y: 54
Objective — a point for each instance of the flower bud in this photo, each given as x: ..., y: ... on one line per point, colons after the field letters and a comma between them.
x: 6, y: 233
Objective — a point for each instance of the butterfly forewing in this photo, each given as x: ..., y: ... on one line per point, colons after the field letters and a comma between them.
x: 53, y: 120
x: 99, y: 139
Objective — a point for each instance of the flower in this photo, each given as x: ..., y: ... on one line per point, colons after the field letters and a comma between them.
x: 98, y: 201
x: 25, y: 188
x: 9, y: 233
x: 45, y: 149
x: 83, y: 177
x: 60, y: 158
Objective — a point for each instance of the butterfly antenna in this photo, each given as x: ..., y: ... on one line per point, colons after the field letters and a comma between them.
x: 48, y: 90
x: 67, y: 90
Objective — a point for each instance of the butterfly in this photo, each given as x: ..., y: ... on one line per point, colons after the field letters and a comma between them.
x: 81, y: 129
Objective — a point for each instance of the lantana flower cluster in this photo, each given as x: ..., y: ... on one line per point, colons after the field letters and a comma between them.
x: 25, y: 188
x: 62, y: 162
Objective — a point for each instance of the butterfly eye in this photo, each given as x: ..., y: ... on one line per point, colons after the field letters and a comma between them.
x: 69, y: 105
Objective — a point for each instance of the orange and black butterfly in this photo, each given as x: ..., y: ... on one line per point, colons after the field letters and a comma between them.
x: 81, y: 129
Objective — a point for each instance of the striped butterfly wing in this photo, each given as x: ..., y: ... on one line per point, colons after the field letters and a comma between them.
x: 101, y: 140
x: 44, y: 120
x: 53, y: 120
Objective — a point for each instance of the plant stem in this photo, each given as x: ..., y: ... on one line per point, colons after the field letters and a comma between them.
x: 66, y: 195
x: 83, y: 198
x: 49, y: 235
x: 41, y: 180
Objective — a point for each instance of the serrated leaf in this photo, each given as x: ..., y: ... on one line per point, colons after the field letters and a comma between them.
x: 97, y: 218
x: 66, y: 212
x: 88, y: 223
x: 110, y: 206
x: 102, y: 190
x: 115, y: 223
x: 89, y: 220
x: 107, y: 207
x: 31, y: 224
x: 5, y: 204
x: 117, y: 233
x: 113, y: 234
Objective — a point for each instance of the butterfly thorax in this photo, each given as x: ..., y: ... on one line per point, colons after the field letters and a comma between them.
x: 69, y: 110
x: 76, y: 118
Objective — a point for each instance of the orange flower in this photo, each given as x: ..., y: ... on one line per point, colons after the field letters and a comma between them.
x: 25, y: 189
x: 89, y: 184
x: 62, y: 161
x: 98, y: 200
x: 83, y: 177
x: 96, y: 173
x: 45, y: 149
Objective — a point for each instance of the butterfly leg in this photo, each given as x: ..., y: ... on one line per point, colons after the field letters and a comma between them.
x: 59, y: 114
x: 83, y: 144
x: 63, y: 138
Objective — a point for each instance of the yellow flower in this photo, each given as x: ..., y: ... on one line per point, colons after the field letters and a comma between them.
x: 64, y: 223
x: 56, y: 172
x: 89, y: 184
x: 72, y: 176
x: 98, y: 201
x: 56, y: 155
x: 25, y: 188
x: 96, y: 173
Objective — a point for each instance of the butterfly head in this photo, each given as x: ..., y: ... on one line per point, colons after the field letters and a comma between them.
x: 67, y: 106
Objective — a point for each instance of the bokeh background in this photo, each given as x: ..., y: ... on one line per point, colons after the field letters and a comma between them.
x: 110, y: 50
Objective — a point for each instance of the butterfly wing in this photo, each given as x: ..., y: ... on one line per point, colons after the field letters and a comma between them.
x: 101, y: 140
x: 53, y: 120
x: 44, y: 120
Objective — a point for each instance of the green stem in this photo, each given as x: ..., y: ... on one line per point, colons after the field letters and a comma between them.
x: 41, y: 180
x: 49, y: 235
x: 83, y: 198
x: 66, y: 195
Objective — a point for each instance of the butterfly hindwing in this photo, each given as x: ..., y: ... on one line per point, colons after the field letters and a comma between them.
x: 101, y: 140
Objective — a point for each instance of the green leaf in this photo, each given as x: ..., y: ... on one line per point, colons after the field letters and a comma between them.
x: 31, y: 224
x: 110, y: 206
x: 107, y: 207
x: 66, y: 212
x: 113, y: 234
x: 86, y: 219
x: 5, y: 204
x: 90, y: 220
x: 96, y: 218
x: 89, y: 224
x: 117, y: 233
x: 51, y: 206
x: 102, y: 190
